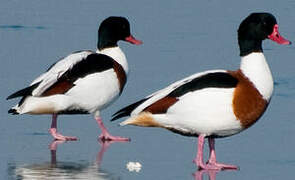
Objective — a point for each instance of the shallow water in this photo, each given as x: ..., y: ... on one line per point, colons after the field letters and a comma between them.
x: 180, y: 38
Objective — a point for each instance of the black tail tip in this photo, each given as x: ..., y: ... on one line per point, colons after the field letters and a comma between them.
x: 13, y: 111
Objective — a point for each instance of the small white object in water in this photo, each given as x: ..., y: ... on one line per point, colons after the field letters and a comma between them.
x: 133, y: 166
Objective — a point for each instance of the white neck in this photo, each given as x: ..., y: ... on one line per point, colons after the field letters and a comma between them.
x: 117, y: 54
x: 255, y: 67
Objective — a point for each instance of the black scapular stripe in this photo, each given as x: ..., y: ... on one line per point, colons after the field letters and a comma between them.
x: 210, y: 80
x: 94, y: 63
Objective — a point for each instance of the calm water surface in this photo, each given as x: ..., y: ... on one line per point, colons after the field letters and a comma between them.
x: 180, y: 38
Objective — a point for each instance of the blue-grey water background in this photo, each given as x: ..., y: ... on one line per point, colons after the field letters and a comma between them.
x: 180, y: 38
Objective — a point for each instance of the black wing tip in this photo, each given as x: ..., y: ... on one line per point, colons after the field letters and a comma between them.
x: 118, y: 112
x: 14, y: 95
x: 23, y: 92
x: 11, y: 96
x: 126, y: 111
x: 115, y: 118
x: 118, y: 115
x: 12, y: 111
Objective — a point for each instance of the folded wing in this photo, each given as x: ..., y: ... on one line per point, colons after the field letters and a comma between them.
x: 163, y: 99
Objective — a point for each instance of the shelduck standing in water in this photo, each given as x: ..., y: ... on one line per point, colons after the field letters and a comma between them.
x: 83, y: 82
x: 216, y: 103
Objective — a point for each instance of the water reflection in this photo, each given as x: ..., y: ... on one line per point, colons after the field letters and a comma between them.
x: 199, y: 174
x: 63, y: 170
x: 211, y: 174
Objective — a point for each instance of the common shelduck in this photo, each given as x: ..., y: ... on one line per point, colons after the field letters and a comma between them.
x: 215, y: 103
x: 82, y: 82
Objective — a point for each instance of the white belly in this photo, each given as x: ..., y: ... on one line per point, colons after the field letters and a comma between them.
x: 207, y: 112
x: 95, y: 91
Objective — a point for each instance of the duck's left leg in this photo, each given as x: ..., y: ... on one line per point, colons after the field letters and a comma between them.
x: 105, y: 135
x: 55, y: 134
x: 212, y: 157
x: 199, y: 159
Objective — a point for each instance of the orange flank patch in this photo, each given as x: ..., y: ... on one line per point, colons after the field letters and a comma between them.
x: 143, y: 119
x: 248, y: 103
x: 161, y: 106
x: 120, y: 74
x: 59, y: 87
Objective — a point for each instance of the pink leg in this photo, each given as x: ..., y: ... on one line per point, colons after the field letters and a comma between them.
x: 199, y: 159
x: 105, y: 135
x: 212, y: 157
x: 55, y: 134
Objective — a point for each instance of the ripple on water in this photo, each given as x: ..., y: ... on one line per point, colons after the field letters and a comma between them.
x: 20, y: 27
x: 285, y: 87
